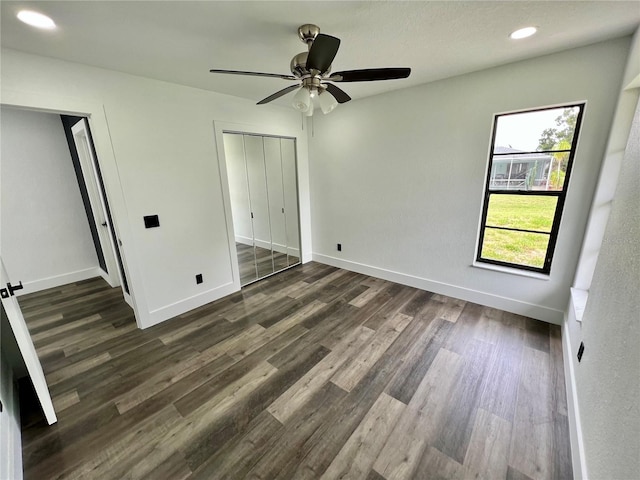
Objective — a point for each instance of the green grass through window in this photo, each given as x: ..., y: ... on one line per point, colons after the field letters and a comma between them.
x: 525, y: 212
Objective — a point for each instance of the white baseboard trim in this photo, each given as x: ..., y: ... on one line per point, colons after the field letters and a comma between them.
x: 59, y: 280
x: 266, y: 245
x: 169, y: 311
x: 244, y: 240
x: 538, y: 312
x: 573, y: 411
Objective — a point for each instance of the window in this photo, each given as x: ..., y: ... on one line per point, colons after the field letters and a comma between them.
x: 530, y: 164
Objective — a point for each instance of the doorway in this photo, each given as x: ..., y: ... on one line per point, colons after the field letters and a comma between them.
x: 50, y: 175
x: 94, y: 198
x: 262, y: 174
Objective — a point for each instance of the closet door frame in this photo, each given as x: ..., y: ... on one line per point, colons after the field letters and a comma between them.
x: 220, y: 128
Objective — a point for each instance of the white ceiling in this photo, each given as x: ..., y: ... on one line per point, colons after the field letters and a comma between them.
x: 179, y: 41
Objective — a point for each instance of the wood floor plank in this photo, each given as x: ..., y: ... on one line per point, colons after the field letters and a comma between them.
x: 36, y: 325
x: 451, y: 308
x: 53, y: 333
x: 300, y: 393
x: 464, y: 331
x: 562, y: 462
x: 201, y: 395
x: 314, y: 372
x: 488, y: 452
x: 316, y: 284
x: 287, y: 448
x: 77, y: 368
x: 359, y: 316
x: 400, y: 296
x: 102, y: 337
x: 503, y: 374
x: 187, y: 436
x: 361, y: 450
x: 324, y: 444
x: 532, y: 447
x: 419, y: 424
x: 118, y: 458
x: 513, y: 474
x: 459, y: 414
x: 351, y: 372
x: 417, y: 360
x: 558, y: 391
x: 173, y: 468
x: 417, y: 303
x: 165, y: 378
x: 65, y: 400
x: 241, y: 455
x: 226, y: 438
x: 537, y: 334
x: 436, y: 465
x: 245, y: 348
x: 373, y: 290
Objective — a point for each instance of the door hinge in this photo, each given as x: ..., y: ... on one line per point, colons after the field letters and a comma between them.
x: 251, y: 214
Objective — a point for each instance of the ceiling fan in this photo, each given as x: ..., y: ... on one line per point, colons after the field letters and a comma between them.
x: 313, y: 70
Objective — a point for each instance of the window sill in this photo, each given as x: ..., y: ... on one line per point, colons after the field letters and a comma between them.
x: 512, y: 271
x: 579, y: 302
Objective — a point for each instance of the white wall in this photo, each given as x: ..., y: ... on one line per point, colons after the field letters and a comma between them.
x: 157, y: 148
x: 46, y: 239
x: 607, y: 378
x: 597, y: 225
x: 398, y: 178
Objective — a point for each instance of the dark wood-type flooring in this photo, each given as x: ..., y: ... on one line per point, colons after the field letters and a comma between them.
x: 313, y: 373
x: 257, y: 262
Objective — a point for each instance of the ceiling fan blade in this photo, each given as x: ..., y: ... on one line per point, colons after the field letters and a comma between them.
x: 278, y: 94
x: 370, y: 75
x: 337, y: 93
x: 323, y: 50
x: 255, y: 74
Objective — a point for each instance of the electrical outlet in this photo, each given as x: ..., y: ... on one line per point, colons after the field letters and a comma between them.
x: 199, y: 278
x: 580, y: 351
x: 339, y: 247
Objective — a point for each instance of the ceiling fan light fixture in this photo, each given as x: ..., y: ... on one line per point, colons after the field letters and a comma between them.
x: 36, y: 19
x: 523, y: 33
x: 302, y: 100
x: 309, y: 112
x: 327, y: 102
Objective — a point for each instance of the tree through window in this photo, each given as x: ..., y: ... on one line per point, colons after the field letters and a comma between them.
x: 529, y: 167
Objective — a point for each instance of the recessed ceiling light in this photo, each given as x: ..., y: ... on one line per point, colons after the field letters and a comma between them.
x: 36, y: 19
x: 523, y: 33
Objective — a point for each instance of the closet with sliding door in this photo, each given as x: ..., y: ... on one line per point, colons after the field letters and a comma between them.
x: 263, y: 187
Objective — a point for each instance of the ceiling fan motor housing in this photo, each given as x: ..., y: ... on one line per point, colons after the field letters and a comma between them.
x: 299, y: 65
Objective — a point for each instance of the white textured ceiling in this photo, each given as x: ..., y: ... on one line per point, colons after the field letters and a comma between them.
x: 179, y: 41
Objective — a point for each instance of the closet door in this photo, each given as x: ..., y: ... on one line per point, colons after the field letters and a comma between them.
x: 240, y: 206
x: 290, y: 195
x: 259, y: 202
x: 275, y: 192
